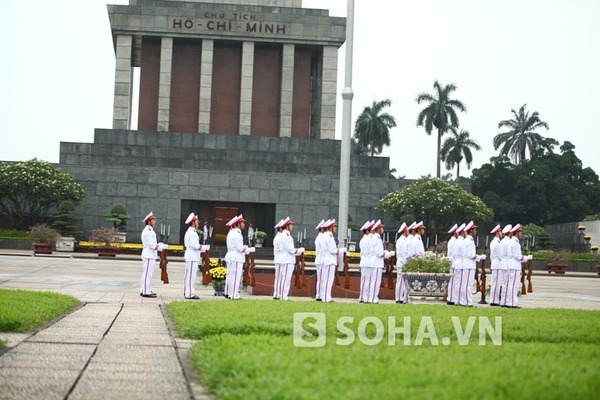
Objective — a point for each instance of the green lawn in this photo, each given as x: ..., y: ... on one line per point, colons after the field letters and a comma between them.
x: 246, y: 350
x: 24, y: 310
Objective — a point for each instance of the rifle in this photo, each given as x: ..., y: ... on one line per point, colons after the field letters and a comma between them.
x: 523, y: 273
x: 529, y: 286
x: 303, y: 266
x: 297, y: 272
x: 346, y: 275
x: 164, y: 260
x: 206, y: 279
x: 482, y: 285
x: 391, y: 263
x: 477, y: 285
x: 252, y: 264
x: 246, y: 278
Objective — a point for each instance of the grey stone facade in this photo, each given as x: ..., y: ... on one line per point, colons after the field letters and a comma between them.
x: 156, y: 171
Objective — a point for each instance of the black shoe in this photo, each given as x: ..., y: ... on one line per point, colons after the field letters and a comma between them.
x: 505, y: 306
x: 361, y: 301
x: 194, y: 297
x: 515, y: 307
x: 451, y: 303
x: 152, y: 295
x: 319, y: 300
x: 226, y: 296
x: 275, y: 298
x: 494, y: 304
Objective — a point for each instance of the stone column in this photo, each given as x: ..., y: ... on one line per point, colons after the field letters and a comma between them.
x: 246, y: 88
x: 206, y: 72
x: 328, y: 93
x: 123, y: 83
x: 287, y: 90
x: 164, y: 85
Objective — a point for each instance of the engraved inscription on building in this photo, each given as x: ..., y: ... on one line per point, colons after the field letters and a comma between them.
x: 230, y: 22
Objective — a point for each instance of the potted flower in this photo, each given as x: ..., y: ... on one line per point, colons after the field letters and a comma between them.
x: 587, y: 238
x: 427, y: 275
x: 594, y: 249
x: 118, y: 217
x: 581, y: 228
x: 104, y: 235
x: 218, y: 275
x: 259, y: 237
x: 44, y: 238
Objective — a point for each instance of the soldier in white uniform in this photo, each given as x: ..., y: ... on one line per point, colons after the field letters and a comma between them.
x: 364, y: 258
x: 235, y: 257
x: 330, y: 259
x: 513, y: 280
x: 251, y: 235
x: 450, y: 299
x: 285, y: 247
x: 278, y: 258
x: 419, y: 232
x: 503, y: 252
x: 149, y: 254
x: 470, y: 259
x: 193, y: 249
x: 319, y: 259
x: 378, y: 254
x: 401, y: 256
x: 495, y: 265
x: 458, y: 261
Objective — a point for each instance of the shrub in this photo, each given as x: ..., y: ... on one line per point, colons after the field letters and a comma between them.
x: 43, y: 233
x: 260, y: 235
x: 428, y: 262
x: 220, y: 239
x: 103, y: 235
x: 118, y: 217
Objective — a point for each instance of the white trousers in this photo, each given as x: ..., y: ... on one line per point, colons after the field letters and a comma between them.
x: 283, y: 281
x: 496, y: 285
x: 465, y: 297
x: 189, y: 279
x: 512, y: 285
x: 372, y: 285
x: 147, y: 272
x: 232, y: 288
x: 318, y: 288
x: 401, y: 288
x: 451, y: 287
x: 276, y: 281
x: 361, y: 290
x: 327, y: 278
x: 456, y: 285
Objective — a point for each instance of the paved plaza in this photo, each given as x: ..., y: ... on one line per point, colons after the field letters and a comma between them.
x: 120, y: 345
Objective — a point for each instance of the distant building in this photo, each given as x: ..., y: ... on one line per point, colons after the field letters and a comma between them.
x: 237, y: 107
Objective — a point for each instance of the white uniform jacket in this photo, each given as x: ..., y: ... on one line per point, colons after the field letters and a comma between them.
x: 495, y: 256
x: 149, y: 243
x: 503, y: 252
x: 365, y: 251
x: 469, y: 253
x: 236, y: 250
x: 514, y: 254
x: 401, y: 253
x: 450, y: 252
x: 318, y: 249
x: 457, y: 251
x: 330, y: 250
x: 377, y: 251
x: 193, y: 248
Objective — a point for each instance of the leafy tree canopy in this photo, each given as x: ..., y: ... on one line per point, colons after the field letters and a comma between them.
x: 551, y: 188
x: 31, y: 188
x: 438, y: 203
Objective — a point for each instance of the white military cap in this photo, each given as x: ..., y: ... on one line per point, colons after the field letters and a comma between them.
x: 507, y: 229
x: 454, y: 227
x: 149, y: 217
x: 191, y: 218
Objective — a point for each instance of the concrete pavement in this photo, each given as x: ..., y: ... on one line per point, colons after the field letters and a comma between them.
x: 120, y: 345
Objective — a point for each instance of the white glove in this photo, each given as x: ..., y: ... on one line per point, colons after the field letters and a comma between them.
x: 159, y: 246
x: 207, y: 247
x: 343, y: 250
x: 482, y: 257
x: 388, y: 254
x: 530, y: 257
x: 301, y: 250
x: 251, y: 249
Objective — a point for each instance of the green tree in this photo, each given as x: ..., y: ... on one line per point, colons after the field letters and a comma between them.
x: 439, y: 204
x: 118, y: 217
x: 553, y: 188
x: 521, y: 136
x: 65, y: 220
x: 439, y: 113
x: 372, y: 128
x: 29, y: 189
x: 458, y: 147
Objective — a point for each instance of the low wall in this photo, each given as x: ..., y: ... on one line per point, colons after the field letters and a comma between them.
x: 16, y: 244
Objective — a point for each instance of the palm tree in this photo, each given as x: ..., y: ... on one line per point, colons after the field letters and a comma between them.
x: 521, y: 136
x: 439, y: 113
x: 372, y: 128
x: 457, y: 148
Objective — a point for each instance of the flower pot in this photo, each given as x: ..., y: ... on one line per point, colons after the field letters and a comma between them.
x: 107, y: 251
x: 119, y: 237
x: 427, y: 284
x: 65, y: 244
x: 42, y: 248
x: 219, y: 286
x: 259, y: 242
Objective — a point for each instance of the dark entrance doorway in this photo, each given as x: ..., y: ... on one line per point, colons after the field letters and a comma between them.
x: 218, y: 213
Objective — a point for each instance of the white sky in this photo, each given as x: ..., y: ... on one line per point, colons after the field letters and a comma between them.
x: 57, y: 70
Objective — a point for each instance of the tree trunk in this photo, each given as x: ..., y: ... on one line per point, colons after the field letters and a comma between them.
x: 457, y: 170
x: 439, y: 151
